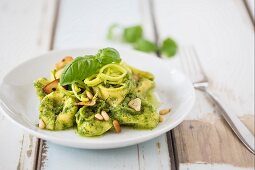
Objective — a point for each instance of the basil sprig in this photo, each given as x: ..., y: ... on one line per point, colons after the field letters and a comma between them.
x: 83, y: 67
x: 134, y: 36
x: 168, y: 47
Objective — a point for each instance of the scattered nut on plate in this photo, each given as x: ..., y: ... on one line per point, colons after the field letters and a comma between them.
x: 41, y: 124
x: 164, y: 111
x: 99, y: 117
x: 105, y: 115
x: 161, y: 118
x: 135, y: 104
x: 116, y: 126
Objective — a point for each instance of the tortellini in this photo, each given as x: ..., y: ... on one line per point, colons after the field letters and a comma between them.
x: 147, y: 118
x: 87, y: 125
x: 57, y: 111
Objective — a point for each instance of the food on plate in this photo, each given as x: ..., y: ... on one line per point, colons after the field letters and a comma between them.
x: 95, y: 94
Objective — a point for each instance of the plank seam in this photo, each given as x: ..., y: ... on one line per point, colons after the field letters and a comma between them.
x: 21, y: 150
x: 138, y: 156
x: 154, y: 26
x: 175, y: 153
x: 54, y: 25
x: 38, y: 155
x: 40, y: 142
x: 172, y: 150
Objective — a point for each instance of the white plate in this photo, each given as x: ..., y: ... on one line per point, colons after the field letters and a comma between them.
x: 19, y: 102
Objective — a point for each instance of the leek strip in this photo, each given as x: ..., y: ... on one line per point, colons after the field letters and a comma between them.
x: 82, y: 97
x: 115, y: 69
x: 93, y: 80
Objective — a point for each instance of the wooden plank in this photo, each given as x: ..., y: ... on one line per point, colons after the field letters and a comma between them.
x: 90, y: 30
x: 212, y: 143
x: 25, y: 32
x: 223, y: 36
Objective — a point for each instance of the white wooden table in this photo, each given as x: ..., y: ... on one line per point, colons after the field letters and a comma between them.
x: 221, y: 32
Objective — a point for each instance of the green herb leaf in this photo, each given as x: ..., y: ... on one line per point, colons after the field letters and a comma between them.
x: 145, y: 45
x: 110, y: 33
x: 131, y: 34
x: 79, y: 69
x: 108, y: 55
x: 83, y: 67
x: 169, y: 47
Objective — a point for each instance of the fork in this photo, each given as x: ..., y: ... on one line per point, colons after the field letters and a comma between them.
x: 200, y: 82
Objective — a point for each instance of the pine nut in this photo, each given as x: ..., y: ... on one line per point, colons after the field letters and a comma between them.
x: 116, y: 126
x: 164, y: 111
x: 105, y: 115
x: 89, y: 94
x: 135, y: 104
x: 41, y: 124
x: 161, y: 118
x: 99, y: 117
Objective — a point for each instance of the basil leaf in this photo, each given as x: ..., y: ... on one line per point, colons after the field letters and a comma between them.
x: 131, y: 34
x: 145, y: 45
x: 79, y: 69
x: 83, y: 67
x: 108, y: 55
x: 111, y: 35
x: 168, y: 47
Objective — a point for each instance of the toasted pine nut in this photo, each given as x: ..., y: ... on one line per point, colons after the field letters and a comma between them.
x: 161, y: 118
x: 116, y: 126
x: 164, y: 111
x: 41, y: 124
x: 99, y: 117
x: 105, y: 115
x: 89, y: 94
x: 135, y: 104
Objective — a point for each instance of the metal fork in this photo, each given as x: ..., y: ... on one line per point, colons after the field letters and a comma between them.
x: 201, y: 83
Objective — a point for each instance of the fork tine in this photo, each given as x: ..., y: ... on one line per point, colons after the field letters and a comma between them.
x: 193, y: 62
x: 193, y: 68
x: 198, y: 63
x: 182, y: 60
x: 185, y: 62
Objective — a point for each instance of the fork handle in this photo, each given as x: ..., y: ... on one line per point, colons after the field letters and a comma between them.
x: 237, y: 126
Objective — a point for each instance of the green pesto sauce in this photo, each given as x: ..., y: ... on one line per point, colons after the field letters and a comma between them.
x: 151, y: 98
x: 39, y: 84
x: 88, y: 125
x: 146, y: 118
x: 59, y: 111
